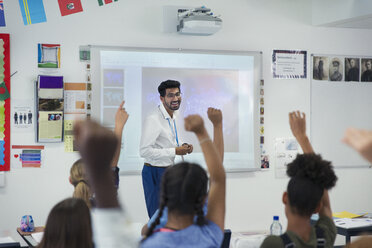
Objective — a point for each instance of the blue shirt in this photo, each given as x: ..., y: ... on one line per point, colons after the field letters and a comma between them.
x: 194, y: 236
x: 164, y: 218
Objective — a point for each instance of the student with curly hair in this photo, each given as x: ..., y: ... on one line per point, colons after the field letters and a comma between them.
x: 184, y: 189
x: 307, y: 192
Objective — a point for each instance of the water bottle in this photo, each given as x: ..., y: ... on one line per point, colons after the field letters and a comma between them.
x: 276, y: 227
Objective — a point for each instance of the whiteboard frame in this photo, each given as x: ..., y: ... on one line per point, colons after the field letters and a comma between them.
x: 96, y: 108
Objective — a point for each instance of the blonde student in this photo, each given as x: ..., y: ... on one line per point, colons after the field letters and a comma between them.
x: 307, y: 192
x: 77, y: 174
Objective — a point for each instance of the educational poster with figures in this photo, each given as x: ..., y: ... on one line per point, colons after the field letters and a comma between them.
x: 4, y: 103
x: 286, y: 150
x: 23, y: 116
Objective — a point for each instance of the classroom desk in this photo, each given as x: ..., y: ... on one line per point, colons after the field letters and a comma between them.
x: 27, y: 236
x: 348, y: 232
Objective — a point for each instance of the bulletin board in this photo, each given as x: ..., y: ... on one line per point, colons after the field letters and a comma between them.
x: 4, y: 103
x: 340, y: 98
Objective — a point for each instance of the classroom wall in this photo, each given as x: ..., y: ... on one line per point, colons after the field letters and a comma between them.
x: 252, y: 198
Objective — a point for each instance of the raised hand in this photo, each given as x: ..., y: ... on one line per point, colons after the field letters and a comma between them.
x: 96, y: 144
x: 297, y: 122
x: 360, y: 140
x: 121, y: 116
x: 215, y: 116
x: 194, y: 123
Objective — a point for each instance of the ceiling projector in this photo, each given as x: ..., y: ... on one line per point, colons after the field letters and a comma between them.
x: 198, y: 21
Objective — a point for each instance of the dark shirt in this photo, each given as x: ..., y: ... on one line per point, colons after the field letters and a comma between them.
x: 353, y: 74
x: 367, y: 76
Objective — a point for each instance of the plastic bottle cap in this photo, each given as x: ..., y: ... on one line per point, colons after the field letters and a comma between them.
x: 276, y: 217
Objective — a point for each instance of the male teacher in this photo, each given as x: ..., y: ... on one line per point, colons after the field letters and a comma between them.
x: 160, y: 142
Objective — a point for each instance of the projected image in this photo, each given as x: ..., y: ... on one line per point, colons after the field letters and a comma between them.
x: 109, y: 117
x: 112, y: 97
x: 113, y: 78
x: 200, y: 89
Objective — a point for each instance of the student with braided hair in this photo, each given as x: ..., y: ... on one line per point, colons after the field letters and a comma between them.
x: 184, y: 191
x: 307, y: 192
x: 215, y: 116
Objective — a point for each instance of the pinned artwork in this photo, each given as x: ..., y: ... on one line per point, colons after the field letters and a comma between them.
x: 49, y: 56
x: 265, y: 163
x: 2, y: 16
x: 32, y: 11
x: 68, y: 7
x: 27, y: 156
x: 102, y: 2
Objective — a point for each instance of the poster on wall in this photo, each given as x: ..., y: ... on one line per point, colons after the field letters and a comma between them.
x: 286, y: 150
x: 27, y: 156
x: 4, y: 103
x: 23, y: 116
x: 289, y: 64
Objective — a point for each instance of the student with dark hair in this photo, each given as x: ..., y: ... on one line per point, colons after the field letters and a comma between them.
x: 183, y: 191
x: 160, y: 142
x: 307, y: 192
x: 215, y: 116
x: 68, y: 226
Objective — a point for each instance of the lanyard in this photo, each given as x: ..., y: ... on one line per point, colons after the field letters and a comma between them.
x: 174, y: 132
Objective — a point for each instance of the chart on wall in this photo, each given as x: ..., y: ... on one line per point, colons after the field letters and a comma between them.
x: 4, y: 103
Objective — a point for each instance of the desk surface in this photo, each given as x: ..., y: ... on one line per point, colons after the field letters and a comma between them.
x: 27, y: 235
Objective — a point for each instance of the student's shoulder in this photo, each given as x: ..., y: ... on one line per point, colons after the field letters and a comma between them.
x: 272, y: 241
x: 328, y: 227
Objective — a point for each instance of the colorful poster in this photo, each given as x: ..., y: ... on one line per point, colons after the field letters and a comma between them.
x: 4, y: 103
x: 102, y: 2
x: 49, y: 55
x: 26, y: 156
x: 2, y: 17
x: 32, y: 11
x: 68, y: 7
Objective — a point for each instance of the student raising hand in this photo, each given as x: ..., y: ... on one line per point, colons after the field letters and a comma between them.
x: 297, y: 122
x: 360, y: 140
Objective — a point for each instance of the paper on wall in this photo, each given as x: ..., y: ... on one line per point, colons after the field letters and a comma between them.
x: 286, y: 150
x: 26, y: 156
x: 23, y: 116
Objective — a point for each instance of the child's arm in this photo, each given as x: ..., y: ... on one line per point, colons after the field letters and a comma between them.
x: 216, y: 196
x: 215, y: 116
x: 297, y: 122
x: 121, y: 118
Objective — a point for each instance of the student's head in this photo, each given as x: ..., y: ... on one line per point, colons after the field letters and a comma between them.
x: 77, y: 179
x: 170, y: 94
x: 68, y: 226
x: 183, y: 190
x: 309, y: 176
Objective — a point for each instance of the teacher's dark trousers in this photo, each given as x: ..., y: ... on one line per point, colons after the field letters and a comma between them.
x: 151, y: 179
